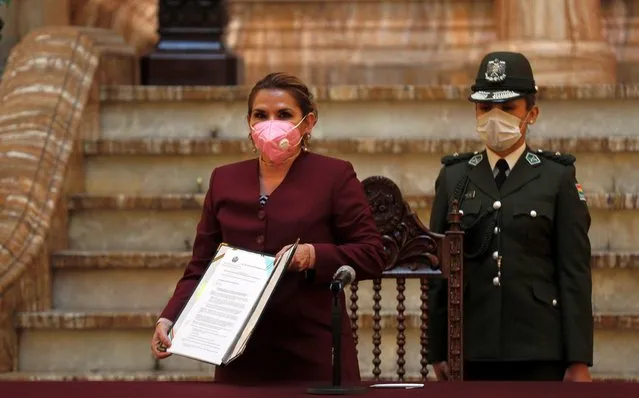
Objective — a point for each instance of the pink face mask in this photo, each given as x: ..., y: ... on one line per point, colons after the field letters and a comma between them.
x: 277, y: 140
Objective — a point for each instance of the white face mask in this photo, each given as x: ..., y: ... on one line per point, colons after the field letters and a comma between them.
x: 499, y: 130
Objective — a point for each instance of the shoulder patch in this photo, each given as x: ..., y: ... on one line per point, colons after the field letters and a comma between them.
x: 580, y: 192
x: 561, y: 158
x: 455, y: 158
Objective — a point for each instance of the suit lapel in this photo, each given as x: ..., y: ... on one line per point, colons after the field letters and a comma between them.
x: 526, y: 169
x: 482, y: 176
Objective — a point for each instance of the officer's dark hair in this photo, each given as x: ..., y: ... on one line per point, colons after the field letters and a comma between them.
x: 530, y: 99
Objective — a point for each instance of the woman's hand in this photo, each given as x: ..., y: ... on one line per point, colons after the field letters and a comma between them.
x: 303, y: 259
x: 160, y: 341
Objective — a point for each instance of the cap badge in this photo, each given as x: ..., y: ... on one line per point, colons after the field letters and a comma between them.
x: 496, y: 71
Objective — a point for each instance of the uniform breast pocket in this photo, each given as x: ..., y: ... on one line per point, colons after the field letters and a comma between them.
x: 534, y: 221
x: 471, y: 209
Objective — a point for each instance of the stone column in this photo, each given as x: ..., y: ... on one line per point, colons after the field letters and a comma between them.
x: 562, y: 38
x: 621, y: 26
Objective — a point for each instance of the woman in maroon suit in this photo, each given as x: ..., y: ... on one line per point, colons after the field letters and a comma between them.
x: 264, y: 204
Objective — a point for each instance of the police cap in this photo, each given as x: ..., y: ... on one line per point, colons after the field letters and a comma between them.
x: 503, y: 76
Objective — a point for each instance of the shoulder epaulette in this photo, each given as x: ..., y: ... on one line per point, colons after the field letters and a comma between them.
x: 455, y: 158
x: 561, y: 158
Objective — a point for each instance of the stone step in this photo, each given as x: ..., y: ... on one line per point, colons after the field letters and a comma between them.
x: 58, y: 320
x: 606, y: 208
x: 177, y: 376
x: 424, y: 111
x: 91, y: 342
x: 159, y: 145
x: 193, y: 201
x: 173, y: 229
x: 615, y: 377
x: 110, y: 281
x: 603, y: 164
x: 107, y: 376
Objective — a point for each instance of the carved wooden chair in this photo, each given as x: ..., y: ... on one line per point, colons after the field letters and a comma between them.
x: 413, y: 251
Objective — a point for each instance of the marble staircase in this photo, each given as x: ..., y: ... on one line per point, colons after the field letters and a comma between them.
x: 145, y: 174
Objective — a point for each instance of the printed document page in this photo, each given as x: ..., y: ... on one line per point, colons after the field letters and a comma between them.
x: 280, y: 267
x: 224, y: 299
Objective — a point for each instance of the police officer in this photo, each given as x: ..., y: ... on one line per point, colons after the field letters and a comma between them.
x: 527, y: 277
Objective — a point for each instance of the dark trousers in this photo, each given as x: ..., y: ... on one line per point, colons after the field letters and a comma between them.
x: 515, y: 371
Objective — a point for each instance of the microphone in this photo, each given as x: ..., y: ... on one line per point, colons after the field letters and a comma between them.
x: 342, y: 277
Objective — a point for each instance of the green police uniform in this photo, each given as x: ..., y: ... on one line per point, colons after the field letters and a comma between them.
x: 527, y: 276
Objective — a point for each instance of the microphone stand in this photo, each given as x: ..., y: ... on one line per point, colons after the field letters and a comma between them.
x: 336, y: 388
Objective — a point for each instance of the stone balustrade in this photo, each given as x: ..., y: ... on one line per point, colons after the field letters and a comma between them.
x: 47, y: 84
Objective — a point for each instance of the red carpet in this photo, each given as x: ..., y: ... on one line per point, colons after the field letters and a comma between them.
x: 210, y: 390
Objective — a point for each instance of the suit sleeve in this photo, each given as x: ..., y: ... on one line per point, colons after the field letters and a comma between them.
x: 357, y: 241
x: 573, y: 253
x: 438, y: 288
x: 207, y: 239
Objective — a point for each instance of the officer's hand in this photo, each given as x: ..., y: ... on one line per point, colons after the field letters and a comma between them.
x: 160, y: 341
x: 578, y: 372
x: 442, y: 371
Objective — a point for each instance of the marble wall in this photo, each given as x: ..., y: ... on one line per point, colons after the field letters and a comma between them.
x: 386, y: 42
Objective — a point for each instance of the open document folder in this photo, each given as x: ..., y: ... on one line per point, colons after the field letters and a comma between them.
x: 220, y: 316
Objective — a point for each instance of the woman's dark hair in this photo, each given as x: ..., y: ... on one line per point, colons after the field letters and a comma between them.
x: 289, y: 83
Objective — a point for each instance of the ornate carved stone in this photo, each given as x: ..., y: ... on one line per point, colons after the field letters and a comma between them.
x: 33, y: 188
x: 190, y: 50
x: 563, y: 39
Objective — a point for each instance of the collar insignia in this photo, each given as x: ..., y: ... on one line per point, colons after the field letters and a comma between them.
x: 475, y: 160
x: 532, y: 159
